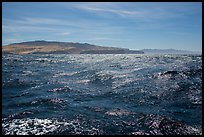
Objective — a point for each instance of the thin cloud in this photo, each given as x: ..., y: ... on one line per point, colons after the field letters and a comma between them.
x: 105, y: 38
x: 43, y: 21
x: 64, y: 33
x: 118, y: 12
x: 178, y: 33
x: 58, y: 26
x: 36, y: 21
x: 139, y: 11
x: 17, y: 28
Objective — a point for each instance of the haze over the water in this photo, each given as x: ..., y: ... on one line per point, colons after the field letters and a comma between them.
x: 133, y: 25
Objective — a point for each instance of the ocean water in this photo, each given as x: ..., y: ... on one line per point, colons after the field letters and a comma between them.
x: 102, y: 94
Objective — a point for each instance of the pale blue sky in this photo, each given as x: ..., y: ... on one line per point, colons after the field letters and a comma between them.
x: 133, y: 25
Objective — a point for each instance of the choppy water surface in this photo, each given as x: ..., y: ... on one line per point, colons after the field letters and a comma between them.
x: 102, y: 94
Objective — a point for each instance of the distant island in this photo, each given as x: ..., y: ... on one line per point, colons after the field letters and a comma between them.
x: 168, y: 51
x: 53, y: 47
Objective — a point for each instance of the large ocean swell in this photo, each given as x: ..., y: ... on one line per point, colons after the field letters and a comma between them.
x: 102, y: 94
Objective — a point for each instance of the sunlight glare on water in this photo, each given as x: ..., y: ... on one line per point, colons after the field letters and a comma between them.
x: 102, y: 94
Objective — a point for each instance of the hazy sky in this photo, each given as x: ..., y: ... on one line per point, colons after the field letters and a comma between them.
x: 133, y: 25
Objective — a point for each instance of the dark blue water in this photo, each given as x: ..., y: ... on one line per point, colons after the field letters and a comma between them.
x: 102, y: 94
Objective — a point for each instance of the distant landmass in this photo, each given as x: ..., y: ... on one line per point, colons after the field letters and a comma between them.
x: 169, y: 51
x: 53, y: 47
